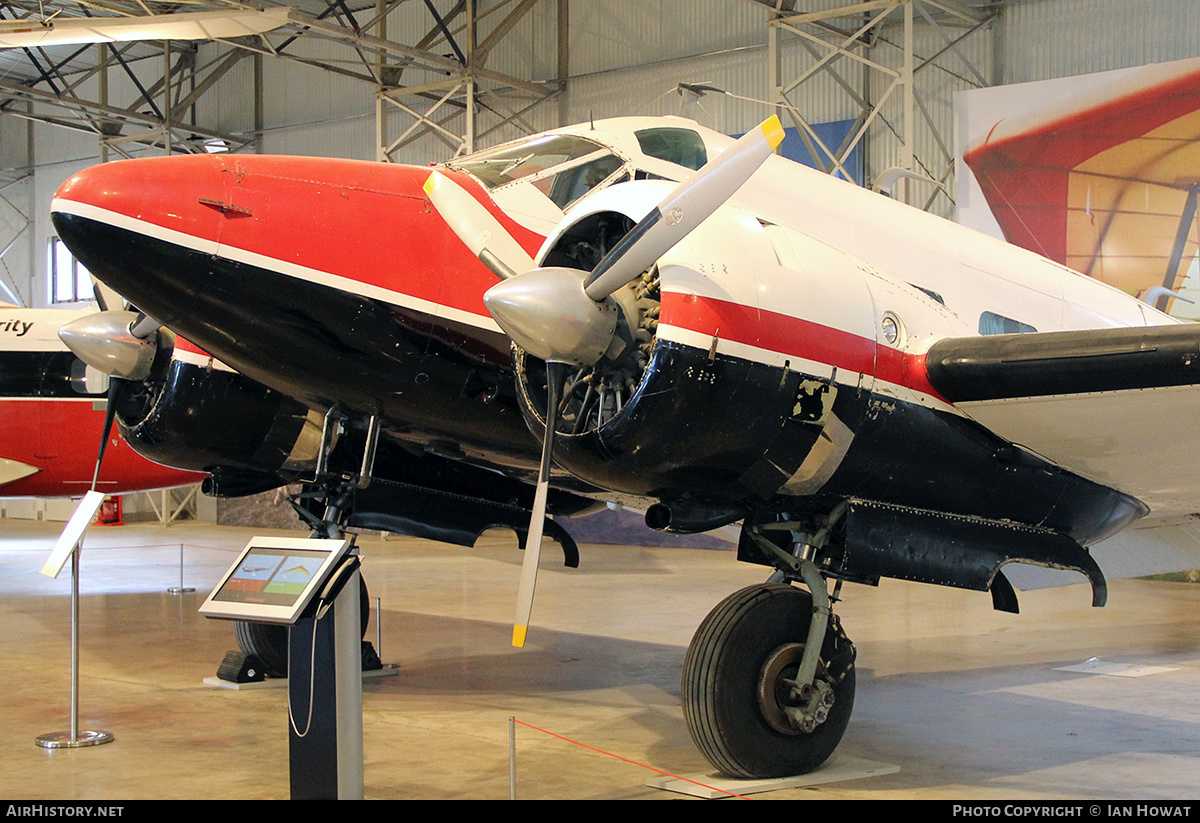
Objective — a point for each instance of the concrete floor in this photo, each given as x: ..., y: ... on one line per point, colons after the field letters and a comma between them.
x: 967, y: 703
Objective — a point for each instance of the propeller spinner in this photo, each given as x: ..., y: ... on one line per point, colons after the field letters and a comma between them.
x: 121, y: 344
x: 565, y: 316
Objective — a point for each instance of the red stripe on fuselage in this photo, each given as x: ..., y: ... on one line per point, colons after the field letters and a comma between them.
x: 795, y: 336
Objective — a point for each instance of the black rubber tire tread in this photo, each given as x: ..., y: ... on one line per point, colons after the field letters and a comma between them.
x: 269, y: 641
x: 720, y: 675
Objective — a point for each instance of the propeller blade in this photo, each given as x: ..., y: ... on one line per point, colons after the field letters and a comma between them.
x: 106, y: 296
x: 555, y: 372
x: 477, y: 228
x: 685, y: 208
x: 110, y: 413
x: 143, y: 326
x: 118, y: 343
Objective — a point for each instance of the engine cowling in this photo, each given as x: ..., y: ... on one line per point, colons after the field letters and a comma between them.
x: 249, y: 437
x: 654, y: 418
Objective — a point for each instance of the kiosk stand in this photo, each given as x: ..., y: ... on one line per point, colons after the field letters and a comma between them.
x: 312, y: 586
x: 325, y: 698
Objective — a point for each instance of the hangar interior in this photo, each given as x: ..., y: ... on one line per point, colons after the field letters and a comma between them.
x: 955, y: 700
x: 384, y: 82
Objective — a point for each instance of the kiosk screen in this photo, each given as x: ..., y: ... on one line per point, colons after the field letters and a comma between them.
x: 274, y: 579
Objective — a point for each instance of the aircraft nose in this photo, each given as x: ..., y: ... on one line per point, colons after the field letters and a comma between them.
x: 143, y: 194
x: 120, y: 219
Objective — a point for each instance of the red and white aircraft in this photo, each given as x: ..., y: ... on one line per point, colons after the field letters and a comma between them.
x: 870, y: 390
x: 51, y: 402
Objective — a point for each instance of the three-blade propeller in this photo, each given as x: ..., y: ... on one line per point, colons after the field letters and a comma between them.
x: 120, y: 343
x: 564, y: 316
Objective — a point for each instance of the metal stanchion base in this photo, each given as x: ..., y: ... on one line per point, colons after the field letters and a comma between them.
x: 180, y: 589
x: 63, y: 740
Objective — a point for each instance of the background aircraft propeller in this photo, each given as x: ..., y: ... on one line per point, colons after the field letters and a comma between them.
x: 564, y: 316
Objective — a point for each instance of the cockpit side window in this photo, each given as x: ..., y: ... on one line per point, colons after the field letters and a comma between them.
x: 504, y: 165
x: 575, y: 182
x: 683, y: 147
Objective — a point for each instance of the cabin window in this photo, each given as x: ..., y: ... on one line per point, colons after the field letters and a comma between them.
x: 70, y: 281
x: 991, y: 323
x: 683, y: 147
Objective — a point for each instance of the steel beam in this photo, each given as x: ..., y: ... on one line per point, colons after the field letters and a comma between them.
x: 465, y: 102
x: 855, y: 36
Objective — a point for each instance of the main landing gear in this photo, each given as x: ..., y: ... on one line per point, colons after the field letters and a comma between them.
x: 768, y: 680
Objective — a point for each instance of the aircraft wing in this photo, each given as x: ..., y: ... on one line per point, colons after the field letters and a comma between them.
x: 201, y: 25
x: 1113, y: 405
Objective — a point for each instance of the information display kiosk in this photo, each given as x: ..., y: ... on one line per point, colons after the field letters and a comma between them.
x: 312, y: 586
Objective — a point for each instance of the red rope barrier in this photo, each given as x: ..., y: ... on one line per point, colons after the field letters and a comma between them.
x: 627, y: 760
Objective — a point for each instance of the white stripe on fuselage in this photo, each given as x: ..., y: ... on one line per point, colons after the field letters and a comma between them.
x: 397, y: 298
x: 321, y: 278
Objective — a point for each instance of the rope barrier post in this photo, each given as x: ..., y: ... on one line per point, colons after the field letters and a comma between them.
x: 512, y: 758
x: 180, y: 589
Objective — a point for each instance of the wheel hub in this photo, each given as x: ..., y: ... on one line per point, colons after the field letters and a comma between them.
x: 787, y: 706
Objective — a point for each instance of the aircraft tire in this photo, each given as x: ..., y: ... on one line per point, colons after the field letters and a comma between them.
x: 269, y: 642
x: 731, y: 678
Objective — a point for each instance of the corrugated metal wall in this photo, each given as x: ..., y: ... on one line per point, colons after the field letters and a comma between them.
x: 627, y: 57
x: 1059, y: 38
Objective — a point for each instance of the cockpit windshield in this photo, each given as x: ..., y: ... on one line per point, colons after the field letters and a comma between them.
x: 565, y: 167
x: 495, y: 168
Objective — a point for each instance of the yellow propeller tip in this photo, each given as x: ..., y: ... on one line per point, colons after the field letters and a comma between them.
x: 431, y: 181
x: 772, y: 129
x: 519, y: 636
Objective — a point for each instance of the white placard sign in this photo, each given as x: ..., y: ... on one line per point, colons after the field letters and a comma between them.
x: 73, y: 533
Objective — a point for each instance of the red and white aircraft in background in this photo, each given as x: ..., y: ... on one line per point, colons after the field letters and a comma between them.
x: 52, y: 414
x: 870, y: 390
